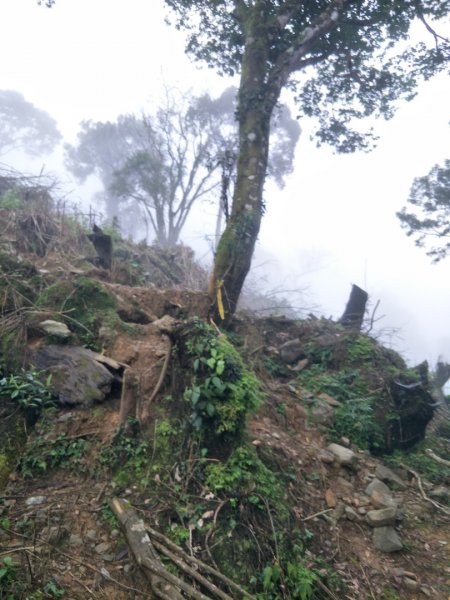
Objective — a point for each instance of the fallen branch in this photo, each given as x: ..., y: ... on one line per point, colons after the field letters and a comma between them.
x: 422, y: 492
x: 195, y: 561
x: 162, y: 375
x: 164, y: 585
x: 437, y: 458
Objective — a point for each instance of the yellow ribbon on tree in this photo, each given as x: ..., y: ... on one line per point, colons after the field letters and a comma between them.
x: 220, y: 307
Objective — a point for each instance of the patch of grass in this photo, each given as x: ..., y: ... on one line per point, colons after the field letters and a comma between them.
x: 43, y: 455
x: 86, y: 304
x: 223, y: 391
x: 355, y: 419
x: 427, y: 467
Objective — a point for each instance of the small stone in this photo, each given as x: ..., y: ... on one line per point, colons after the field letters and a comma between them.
x: 292, y: 351
x: 108, y: 557
x: 103, y: 547
x: 329, y: 399
x: 41, y: 516
x: 351, y: 514
x: 75, y: 540
x: 410, y: 584
x: 35, y: 500
x: 115, y: 533
x: 339, y: 511
x: 301, y: 365
x: 91, y: 535
x: 65, y: 417
x: 362, y: 511
x: 344, y: 456
x: 386, y: 539
x: 326, y: 457
x: 380, y: 495
x: 425, y: 590
x: 345, y: 441
x: 330, y: 498
x: 381, y: 517
x: 388, y: 476
x: 56, y: 328
x: 276, y: 435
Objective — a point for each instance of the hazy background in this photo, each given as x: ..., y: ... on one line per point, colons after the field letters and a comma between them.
x: 334, y: 223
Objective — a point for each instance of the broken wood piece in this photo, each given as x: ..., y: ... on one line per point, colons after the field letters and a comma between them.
x: 156, y: 535
x: 164, y: 585
x: 143, y: 551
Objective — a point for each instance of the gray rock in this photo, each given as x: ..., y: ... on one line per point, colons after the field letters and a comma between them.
x: 75, y: 540
x: 441, y: 492
x: 344, y: 456
x: 35, y: 500
x: 381, y: 517
x: 78, y: 375
x: 339, y: 511
x: 102, y: 548
x: 380, y: 495
x: 59, y: 330
x: 54, y: 534
x: 322, y: 413
x: 351, y: 514
x: 410, y: 584
x: 325, y: 456
x: 386, y: 539
x: 292, y: 351
x: 91, y: 535
x: 388, y: 476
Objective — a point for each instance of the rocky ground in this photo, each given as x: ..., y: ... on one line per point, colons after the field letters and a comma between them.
x: 379, y: 525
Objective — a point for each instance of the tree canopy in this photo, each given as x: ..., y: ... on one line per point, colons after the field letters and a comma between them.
x: 159, y: 165
x: 428, y: 215
x: 25, y: 127
x: 344, y: 60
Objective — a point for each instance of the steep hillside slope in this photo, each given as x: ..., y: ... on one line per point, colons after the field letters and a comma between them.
x: 142, y: 448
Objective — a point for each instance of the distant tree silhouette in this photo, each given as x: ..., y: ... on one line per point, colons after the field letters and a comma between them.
x: 428, y: 216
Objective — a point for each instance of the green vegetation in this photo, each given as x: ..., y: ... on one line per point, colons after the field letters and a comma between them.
x: 43, y: 454
x: 13, y: 584
x: 428, y: 468
x: 223, y: 391
x: 355, y: 419
x: 85, y: 303
x: 133, y: 459
x: 28, y: 390
x: 11, y: 201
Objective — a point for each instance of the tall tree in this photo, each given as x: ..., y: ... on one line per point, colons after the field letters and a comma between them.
x: 25, y: 127
x: 339, y: 56
x: 162, y: 164
x: 102, y: 149
x: 429, y: 213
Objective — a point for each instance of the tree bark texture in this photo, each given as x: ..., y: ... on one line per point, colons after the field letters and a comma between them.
x: 354, y: 311
x: 255, y: 106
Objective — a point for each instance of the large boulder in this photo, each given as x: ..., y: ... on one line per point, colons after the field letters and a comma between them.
x: 79, y: 376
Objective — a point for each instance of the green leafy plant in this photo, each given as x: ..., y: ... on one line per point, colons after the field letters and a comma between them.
x: 29, y: 390
x: 43, y: 455
x: 11, y: 201
x: 361, y: 349
x: 223, y: 390
x: 8, y: 576
x: 244, y: 475
x: 355, y: 419
x: 52, y: 589
x: 294, y: 580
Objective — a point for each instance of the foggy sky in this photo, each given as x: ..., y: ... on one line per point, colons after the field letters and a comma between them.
x: 334, y: 223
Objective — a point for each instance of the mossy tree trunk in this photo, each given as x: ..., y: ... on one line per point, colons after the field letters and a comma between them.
x: 257, y: 98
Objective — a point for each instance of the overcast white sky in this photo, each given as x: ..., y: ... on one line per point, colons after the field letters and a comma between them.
x: 333, y: 225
